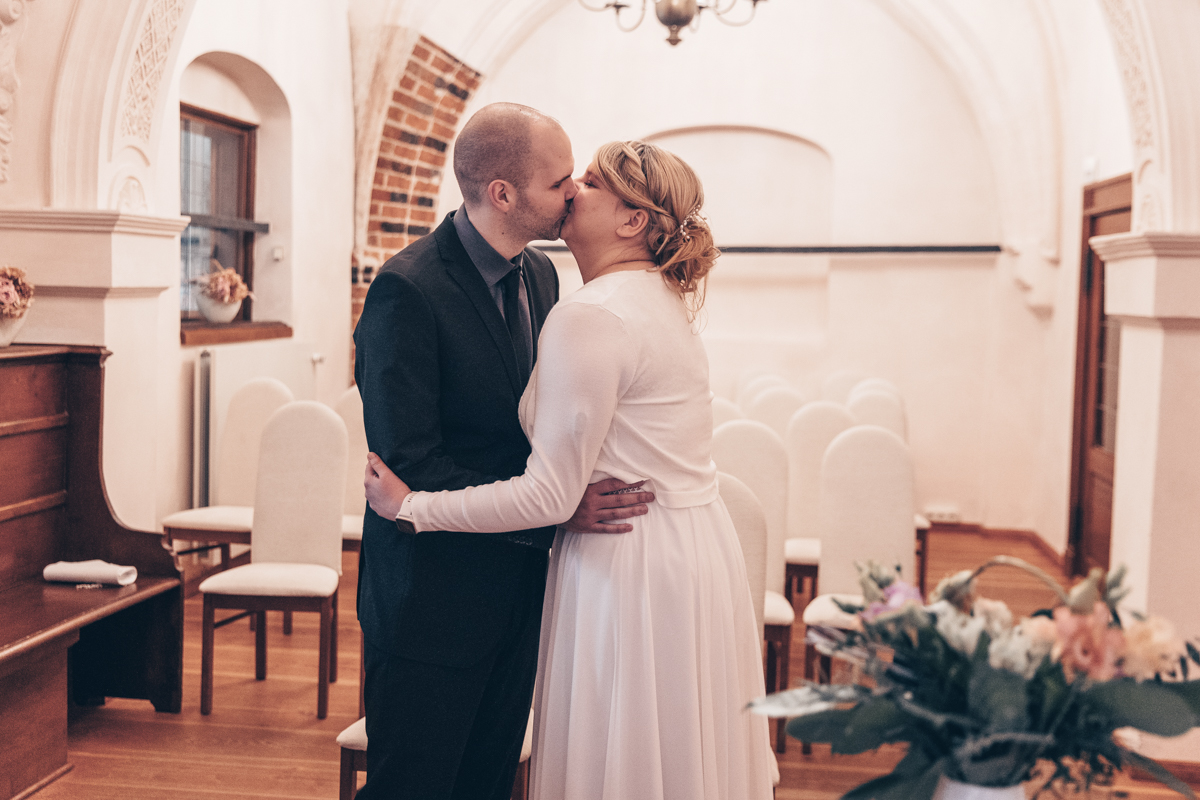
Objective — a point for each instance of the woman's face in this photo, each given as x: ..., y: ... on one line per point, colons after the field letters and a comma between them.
x: 595, y: 213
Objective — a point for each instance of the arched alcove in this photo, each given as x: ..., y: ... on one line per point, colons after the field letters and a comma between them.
x: 235, y: 87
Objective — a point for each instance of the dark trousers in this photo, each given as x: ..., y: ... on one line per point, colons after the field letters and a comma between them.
x: 454, y: 733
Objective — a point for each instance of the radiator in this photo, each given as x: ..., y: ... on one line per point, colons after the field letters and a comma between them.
x: 221, y: 371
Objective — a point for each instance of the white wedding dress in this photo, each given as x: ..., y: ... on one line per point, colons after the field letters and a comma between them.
x: 649, y: 646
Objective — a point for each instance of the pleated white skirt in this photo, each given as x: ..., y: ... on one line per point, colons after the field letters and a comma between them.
x: 649, y: 653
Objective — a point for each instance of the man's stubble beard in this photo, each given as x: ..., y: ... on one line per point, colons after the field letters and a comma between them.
x: 536, y: 227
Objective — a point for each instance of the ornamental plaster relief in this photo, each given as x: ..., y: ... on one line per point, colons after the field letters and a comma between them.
x: 149, y: 65
x: 1134, y: 60
x: 10, y: 12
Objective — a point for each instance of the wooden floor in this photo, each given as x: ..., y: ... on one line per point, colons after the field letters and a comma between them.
x: 263, y: 739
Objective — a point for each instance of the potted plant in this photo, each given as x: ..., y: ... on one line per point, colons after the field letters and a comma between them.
x: 221, y: 293
x: 16, y: 295
x: 987, y: 703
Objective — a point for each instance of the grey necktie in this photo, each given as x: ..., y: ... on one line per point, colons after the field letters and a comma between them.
x: 516, y: 316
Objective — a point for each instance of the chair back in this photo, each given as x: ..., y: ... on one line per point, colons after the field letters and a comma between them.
x: 724, y: 410
x: 775, y: 406
x: 350, y: 408
x: 751, y: 525
x: 866, y: 506
x: 877, y: 407
x: 237, y: 455
x: 838, y: 385
x: 750, y: 390
x: 755, y: 455
x: 875, y: 385
x: 809, y: 434
x: 301, y: 487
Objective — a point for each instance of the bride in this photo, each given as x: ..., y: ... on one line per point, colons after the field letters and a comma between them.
x: 649, y: 645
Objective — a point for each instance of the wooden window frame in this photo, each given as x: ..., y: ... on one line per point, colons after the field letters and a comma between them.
x: 196, y: 330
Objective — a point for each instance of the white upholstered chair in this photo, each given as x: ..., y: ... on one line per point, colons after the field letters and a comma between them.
x: 350, y: 408
x: 866, y: 513
x: 296, y: 559
x: 808, y: 436
x: 754, y: 454
x: 353, y: 741
x: 838, y: 385
x: 875, y: 385
x: 879, y: 407
x: 234, y: 470
x: 724, y: 410
x: 775, y: 406
x: 750, y: 390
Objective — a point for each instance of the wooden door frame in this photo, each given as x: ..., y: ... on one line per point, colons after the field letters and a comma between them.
x: 1109, y: 196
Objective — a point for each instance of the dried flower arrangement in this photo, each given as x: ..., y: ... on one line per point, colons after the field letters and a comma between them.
x: 16, y: 293
x: 223, y: 285
x: 987, y: 700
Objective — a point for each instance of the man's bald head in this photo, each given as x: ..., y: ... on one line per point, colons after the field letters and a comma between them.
x: 497, y: 143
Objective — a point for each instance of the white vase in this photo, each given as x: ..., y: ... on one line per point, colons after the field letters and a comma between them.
x: 8, y: 329
x: 215, y: 311
x: 948, y: 789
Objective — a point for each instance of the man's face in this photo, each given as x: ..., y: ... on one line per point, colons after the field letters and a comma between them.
x: 8, y: 292
x: 543, y: 202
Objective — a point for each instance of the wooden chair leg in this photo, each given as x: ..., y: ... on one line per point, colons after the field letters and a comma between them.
x: 785, y: 648
x: 206, y: 656
x: 287, y: 623
x: 260, y: 646
x: 333, y: 640
x: 323, y: 660
x: 348, y: 778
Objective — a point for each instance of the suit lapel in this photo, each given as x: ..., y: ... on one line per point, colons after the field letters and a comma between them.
x: 463, y: 272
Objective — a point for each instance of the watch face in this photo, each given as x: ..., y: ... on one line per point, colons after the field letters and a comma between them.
x: 405, y: 526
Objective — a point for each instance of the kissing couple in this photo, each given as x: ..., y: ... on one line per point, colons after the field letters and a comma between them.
x: 544, y: 522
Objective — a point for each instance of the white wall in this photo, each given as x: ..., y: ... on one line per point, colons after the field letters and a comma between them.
x: 293, y: 68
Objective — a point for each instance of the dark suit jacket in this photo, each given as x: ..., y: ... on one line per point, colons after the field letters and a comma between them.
x: 440, y: 388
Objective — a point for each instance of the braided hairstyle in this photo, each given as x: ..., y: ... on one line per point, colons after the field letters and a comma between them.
x: 645, y: 176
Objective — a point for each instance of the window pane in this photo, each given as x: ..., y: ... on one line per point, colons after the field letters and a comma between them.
x: 210, y: 161
x: 199, y: 246
x: 1106, y: 394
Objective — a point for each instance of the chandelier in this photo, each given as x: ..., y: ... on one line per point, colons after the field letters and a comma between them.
x: 678, y: 14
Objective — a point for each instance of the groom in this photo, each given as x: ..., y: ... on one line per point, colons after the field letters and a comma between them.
x: 445, y: 347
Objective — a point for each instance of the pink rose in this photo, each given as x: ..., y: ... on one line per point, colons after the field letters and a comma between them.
x: 1087, y: 644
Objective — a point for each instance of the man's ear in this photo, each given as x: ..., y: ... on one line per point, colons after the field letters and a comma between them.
x: 502, y: 195
x: 635, y: 223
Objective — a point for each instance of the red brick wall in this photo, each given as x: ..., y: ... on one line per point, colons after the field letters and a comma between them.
x: 423, y: 118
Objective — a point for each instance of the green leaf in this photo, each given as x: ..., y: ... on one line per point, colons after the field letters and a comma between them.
x: 1159, y: 772
x: 872, y: 723
x: 824, y: 726
x: 1150, y: 707
x: 999, y: 698
x: 918, y: 784
x: 1189, y: 691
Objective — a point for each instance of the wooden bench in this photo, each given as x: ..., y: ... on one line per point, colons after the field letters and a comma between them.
x: 60, y: 644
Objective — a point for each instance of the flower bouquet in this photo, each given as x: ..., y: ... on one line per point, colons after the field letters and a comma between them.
x: 989, y: 701
x: 221, y: 293
x: 16, y: 295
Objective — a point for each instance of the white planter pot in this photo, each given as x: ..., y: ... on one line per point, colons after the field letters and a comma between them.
x: 217, y: 312
x: 8, y: 329
x: 948, y: 789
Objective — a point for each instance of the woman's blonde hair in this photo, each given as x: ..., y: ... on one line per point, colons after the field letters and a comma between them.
x: 645, y: 176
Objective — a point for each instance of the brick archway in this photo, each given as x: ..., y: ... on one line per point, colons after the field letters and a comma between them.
x: 423, y: 117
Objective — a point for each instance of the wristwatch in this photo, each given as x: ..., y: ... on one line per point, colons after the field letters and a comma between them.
x: 404, y: 518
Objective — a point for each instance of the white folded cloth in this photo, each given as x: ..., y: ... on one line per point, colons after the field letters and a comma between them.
x: 94, y: 571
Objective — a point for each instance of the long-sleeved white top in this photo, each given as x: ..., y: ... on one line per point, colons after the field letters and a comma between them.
x: 620, y: 390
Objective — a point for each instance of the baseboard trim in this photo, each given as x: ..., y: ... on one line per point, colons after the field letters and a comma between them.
x: 1003, y: 533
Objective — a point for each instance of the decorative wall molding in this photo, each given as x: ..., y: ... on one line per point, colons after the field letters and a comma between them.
x: 10, y: 12
x: 1120, y: 246
x: 83, y: 221
x: 149, y: 65
x: 99, y: 292
x: 1151, y: 206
